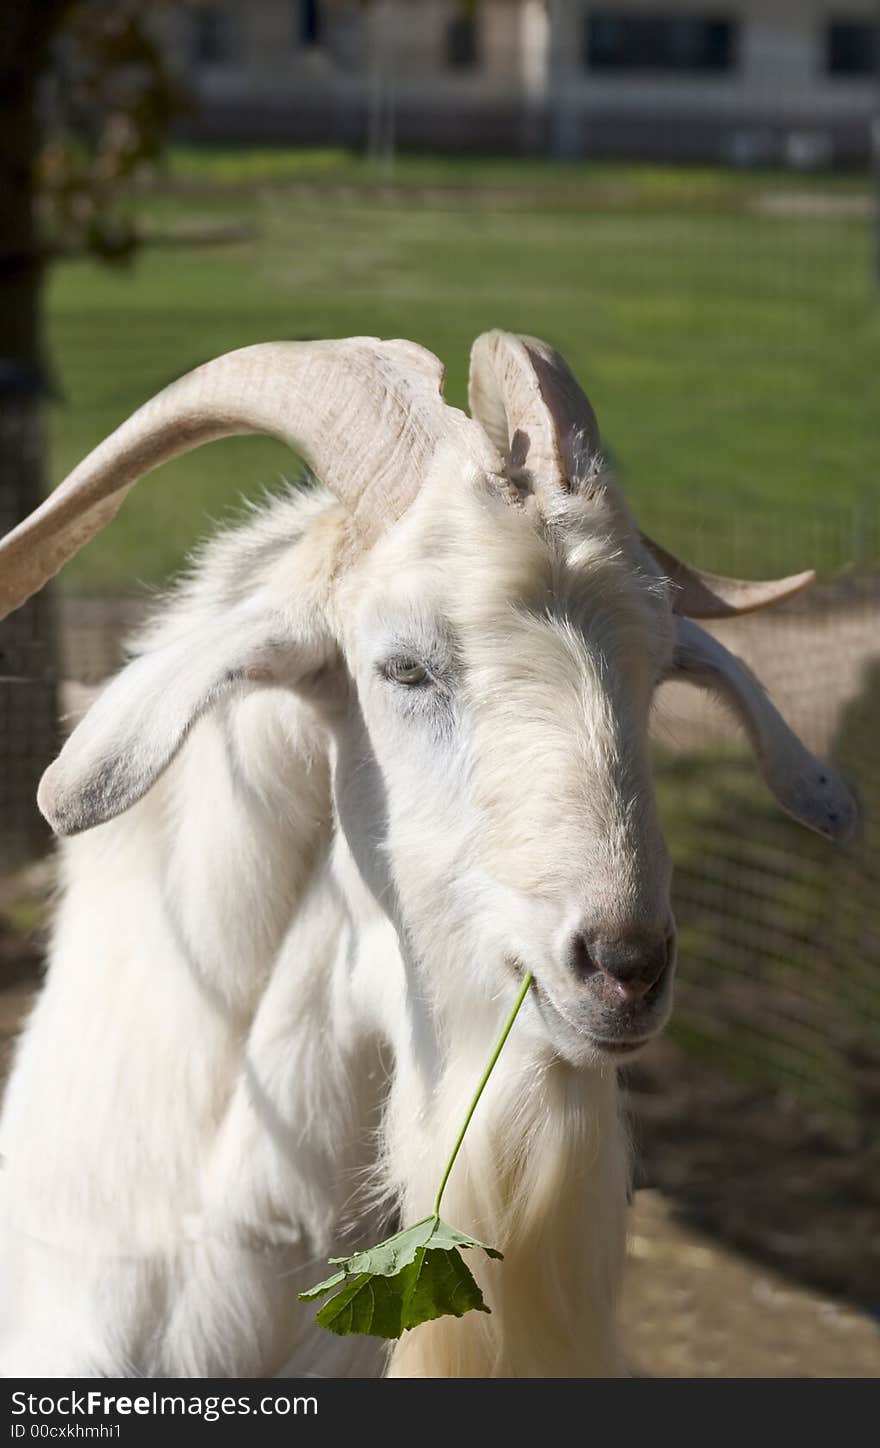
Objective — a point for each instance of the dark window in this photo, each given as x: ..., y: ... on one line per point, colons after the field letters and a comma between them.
x: 462, y: 42
x: 851, y: 47
x: 214, y: 41
x: 309, y: 18
x: 632, y: 40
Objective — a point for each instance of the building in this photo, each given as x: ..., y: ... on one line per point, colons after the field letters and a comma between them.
x: 739, y: 80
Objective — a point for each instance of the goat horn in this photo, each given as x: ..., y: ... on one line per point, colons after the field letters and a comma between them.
x: 367, y: 415
x: 709, y: 595
x: 525, y: 396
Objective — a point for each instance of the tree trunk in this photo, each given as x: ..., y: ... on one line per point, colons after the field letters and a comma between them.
x: 27, y: 638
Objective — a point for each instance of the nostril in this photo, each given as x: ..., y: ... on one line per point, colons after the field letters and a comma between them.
x: 631, y: 990
x: 632, y: 965
x: 580, y: 959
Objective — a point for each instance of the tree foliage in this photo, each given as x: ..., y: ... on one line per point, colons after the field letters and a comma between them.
x: 107, y: 100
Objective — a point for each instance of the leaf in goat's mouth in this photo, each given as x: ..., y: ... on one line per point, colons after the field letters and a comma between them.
x: 413, y: 1277
x: 418, y: 1274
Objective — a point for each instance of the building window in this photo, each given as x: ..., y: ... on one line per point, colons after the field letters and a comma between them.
x: 214, y: 39
x: 851, y: 48
x: 634, y: 40
x: 309, y: 26
x: 463, y: 37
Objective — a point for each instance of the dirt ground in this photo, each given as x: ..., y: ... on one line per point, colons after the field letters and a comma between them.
x: 754, y: 1244
x: 693, y: 1308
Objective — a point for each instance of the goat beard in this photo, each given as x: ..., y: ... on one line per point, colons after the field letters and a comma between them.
x: 544, y: 1175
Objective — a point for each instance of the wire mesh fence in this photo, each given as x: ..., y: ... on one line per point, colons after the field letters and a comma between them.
x: 727, y: 327
x: 780, y: 933
x: 779, y: 976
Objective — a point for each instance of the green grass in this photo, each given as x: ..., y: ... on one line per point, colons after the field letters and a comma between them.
x: 732, y: 355
x: 778, y: 942
x: 234, y: 166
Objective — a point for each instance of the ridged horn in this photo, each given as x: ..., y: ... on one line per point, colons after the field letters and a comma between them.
x: 710, y: 595
x: 367, y: 415
x: 525, y: 396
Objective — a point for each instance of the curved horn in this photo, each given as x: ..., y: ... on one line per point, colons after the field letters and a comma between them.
x: 525, y: 396
x: 367, y: 415
x: 709, y: 595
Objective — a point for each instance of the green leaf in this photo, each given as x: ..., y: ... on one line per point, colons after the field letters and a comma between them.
x: 370, y: 1305
x: 413, y: 1277
x: 445, y: 1236
x: 439, y: 1284
x: 321, y: 1287
x: 418, y: 1274
x: 395, y: 1252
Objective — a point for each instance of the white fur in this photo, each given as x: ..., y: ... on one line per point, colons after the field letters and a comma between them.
x: 275, y: 978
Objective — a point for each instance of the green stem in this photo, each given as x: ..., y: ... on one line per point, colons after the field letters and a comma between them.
x: 508, y: 1026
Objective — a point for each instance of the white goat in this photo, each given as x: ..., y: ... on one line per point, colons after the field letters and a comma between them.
x: 381, y: 753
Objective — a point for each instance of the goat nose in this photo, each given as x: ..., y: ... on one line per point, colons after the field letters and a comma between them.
x: 631, y: 963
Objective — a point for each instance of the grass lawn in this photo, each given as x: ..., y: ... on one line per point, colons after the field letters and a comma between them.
x: 728, y: 331
x: 730, y: 343
x: 778, y: 943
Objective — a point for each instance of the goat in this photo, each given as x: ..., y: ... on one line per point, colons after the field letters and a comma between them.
x: 385, y: 749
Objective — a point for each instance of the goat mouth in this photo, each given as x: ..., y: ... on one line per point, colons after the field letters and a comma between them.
x: 618, y: 1048
x: 575, y: 1036
x: 575, y: 1040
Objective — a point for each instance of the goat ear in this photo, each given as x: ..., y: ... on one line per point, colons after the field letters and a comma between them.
x: 806, y: 788
x: 138, y: 724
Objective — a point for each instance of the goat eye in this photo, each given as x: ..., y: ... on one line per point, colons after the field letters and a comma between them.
x: 407, y: 671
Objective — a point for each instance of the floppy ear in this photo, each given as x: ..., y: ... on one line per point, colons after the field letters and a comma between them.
x: 805, y: 787
x: 136, y: 727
